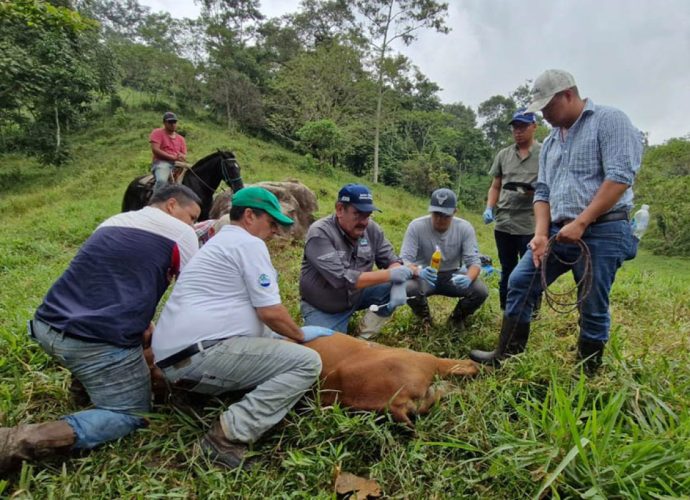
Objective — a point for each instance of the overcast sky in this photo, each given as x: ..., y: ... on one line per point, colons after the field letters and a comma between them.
x: 631, y: 54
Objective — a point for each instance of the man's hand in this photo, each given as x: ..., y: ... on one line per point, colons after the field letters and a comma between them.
x: 488, y: 215
x: 181, y: 157
x: 430, y: 275
x: 314, y: 332
x: 538, y: 247
x: 400, y: 274
x: 461, y: 280
x: 571, y: 232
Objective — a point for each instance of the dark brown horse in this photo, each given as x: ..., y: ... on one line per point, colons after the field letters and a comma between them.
x: 203, y: 178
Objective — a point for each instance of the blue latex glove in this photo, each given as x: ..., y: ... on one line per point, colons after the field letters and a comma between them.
x: 488, y: 215
x: 461, y: 280
x: 398, y: 296
x: 430, y: 275
x: 314, y: 332
x: 400, y: 274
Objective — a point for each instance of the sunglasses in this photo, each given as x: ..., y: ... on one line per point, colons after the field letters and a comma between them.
x: 171, y: 121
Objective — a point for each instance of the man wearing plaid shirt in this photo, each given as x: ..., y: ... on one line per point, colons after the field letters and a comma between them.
x: 583, y: 194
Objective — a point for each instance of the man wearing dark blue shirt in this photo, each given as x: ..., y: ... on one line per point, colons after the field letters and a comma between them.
x: 93, y: 318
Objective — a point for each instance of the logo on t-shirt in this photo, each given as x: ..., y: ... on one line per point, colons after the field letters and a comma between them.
x: 264, y: 280
x: 363, y: 241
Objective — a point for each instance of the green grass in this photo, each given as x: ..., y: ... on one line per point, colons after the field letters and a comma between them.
x: 534, y: 428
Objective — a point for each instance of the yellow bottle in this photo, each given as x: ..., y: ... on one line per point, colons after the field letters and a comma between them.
x: 436, y: 259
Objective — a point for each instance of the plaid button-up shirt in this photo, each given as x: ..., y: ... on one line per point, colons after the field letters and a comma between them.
x: 601, y: 145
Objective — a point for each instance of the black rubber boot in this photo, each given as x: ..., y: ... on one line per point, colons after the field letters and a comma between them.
x: 420, y: 308
x: 590, y: 352
x: 512, y: 340
x: 458, y: 318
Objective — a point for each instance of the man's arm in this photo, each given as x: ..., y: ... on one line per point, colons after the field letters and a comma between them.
x: 494, y: 192
x: 542, y: 217
x: 410, y: 245
x: 278, y: 319
x: 607, y: 196
x: 159, y: 153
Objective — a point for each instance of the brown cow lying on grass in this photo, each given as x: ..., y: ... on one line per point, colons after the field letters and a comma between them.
x: 364, y: 375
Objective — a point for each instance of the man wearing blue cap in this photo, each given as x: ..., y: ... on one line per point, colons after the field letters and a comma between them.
x: 337, y: 275
x: 509, y: 202
x: 583, y: 196
x: 215, y: 333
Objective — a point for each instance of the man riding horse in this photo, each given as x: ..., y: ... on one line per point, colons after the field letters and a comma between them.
x: 168, y: 148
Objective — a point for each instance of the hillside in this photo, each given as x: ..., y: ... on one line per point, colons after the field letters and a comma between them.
x: 534, y: 426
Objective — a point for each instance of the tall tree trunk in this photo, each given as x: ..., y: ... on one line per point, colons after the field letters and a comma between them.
x: 57, y: 130
x: 228, y: 114
x: 379, y: 98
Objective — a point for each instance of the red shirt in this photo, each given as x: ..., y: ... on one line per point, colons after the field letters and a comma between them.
x: 171, y: 145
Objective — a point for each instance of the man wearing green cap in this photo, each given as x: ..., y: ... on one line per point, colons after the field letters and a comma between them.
x: 216, y: 332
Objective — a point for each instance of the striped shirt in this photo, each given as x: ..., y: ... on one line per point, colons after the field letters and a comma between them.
x: 601, y: 145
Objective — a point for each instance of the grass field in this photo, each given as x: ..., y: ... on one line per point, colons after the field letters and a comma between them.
x: 535, y: 428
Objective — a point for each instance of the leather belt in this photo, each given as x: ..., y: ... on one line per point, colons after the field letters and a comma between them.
x: 187, y: 352
x: 607, y: 217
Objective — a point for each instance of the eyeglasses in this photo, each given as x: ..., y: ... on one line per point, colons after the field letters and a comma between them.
x: 171, y: 121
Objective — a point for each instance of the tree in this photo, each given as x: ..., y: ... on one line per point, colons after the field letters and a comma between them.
x: 386, y: 21
x: 52, y: 64
x: 497, y: 112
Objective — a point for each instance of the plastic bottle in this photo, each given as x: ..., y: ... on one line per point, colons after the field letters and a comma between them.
x: 436, y: 259
x: 640, y: 221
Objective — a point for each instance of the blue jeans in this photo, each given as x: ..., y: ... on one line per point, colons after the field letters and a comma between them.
x: 117, y: 379
x: 161, y: 171
x: 610, y: 243
x: 378, y: 294
x: 279, y: 373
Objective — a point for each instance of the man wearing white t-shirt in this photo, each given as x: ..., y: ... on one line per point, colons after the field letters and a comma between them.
x: 216, y: 331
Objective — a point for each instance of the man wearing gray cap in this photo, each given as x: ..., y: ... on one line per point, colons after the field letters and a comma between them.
x: 167, y: 147
x: 457, y: 242
x: 509, y: 202
x: 583, y: 196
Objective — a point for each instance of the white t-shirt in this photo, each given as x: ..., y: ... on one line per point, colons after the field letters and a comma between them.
x: 217, y: 293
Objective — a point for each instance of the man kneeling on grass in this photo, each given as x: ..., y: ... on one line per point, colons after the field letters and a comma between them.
x: 215, y: 334
x: 93, y: 319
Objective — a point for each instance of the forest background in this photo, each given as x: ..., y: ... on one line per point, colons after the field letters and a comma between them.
x: 83, y: 84
x: 324, y: 81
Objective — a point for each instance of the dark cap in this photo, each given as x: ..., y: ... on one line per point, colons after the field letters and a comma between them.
x: 521, y: 117
x: 169, y: 117
x: 358, y: 196
x: 443, y: 201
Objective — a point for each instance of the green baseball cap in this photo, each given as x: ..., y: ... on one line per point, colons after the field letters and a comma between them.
x: 261, y: 198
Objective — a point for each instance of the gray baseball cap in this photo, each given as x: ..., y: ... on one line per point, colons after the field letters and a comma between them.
x: 444, y: 201
x: 547, y: 85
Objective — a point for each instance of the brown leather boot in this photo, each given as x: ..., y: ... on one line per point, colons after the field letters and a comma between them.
x: 34, y: 441
x: 222, y: 450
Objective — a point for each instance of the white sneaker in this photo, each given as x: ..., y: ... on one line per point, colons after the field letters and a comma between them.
x: 371, y: 325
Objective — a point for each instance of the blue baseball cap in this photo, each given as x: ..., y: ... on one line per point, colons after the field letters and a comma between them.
x: 358, y: 196
x: 522, y: 117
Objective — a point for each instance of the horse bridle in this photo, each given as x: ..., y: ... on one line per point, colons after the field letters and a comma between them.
x: 224, y: 172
